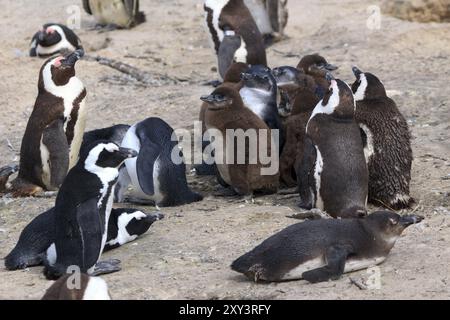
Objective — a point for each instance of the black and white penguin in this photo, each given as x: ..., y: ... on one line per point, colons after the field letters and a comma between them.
x: 333, y: 174
x: 124, y: 225
x: 54, y: 131
x: 115, y: 14
x: 53, y: 39
x: 154, y: 175
x: 234, y: 33
x: 114, y: 134
x: 387, y: 142
x: 5, y: 173
x: 90, y: 288
x: 82, y: 210
x: 259, y: 94
x: 324, y: 249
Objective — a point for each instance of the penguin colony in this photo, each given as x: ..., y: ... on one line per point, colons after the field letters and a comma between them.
x: 341, y: 145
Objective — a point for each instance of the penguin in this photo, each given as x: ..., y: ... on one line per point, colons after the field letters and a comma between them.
x: 312, y: 65
x: 271, y: 17
x: 114, y: 134
x: 90, y: 288
x: 154, y: 174
x: 324, y: 249
x: 54, y: 38
x: 234, y: 33
x: 226, y: 111
x: 304, y: 93
x: 259, y: 94
x: 54, y: 131
x: 124, y: 226
x: 387, y: 142
x: 333, y: 174
x: 115, y: 14
x: 5, y: 173
x: 82, y: 210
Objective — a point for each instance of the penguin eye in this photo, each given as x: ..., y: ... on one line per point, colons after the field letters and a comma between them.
x: 393, y: 221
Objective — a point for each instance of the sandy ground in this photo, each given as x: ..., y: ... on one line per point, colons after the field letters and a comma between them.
x: 187, y: 255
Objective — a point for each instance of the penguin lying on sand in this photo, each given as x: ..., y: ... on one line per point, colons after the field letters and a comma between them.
x: 124, y: 225
x: 153, y: 174
x: 91, y: 288
x: 387, y: 142
x: 324, y: 249
x: 53, y: 39
x: 82, y: 211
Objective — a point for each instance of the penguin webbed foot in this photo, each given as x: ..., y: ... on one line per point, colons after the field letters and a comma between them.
x: 101, y: 28
x: 106, y: 267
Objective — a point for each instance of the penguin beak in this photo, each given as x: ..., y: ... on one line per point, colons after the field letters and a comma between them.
x: 209, y: 99
x: 330, y: 67
x: 276, y: 72
x: 127, y: 153
x: 71, y: 59
x: 246, y: 76
x: 41, y: 35
x: 356, y: 72
x: 409, y: 220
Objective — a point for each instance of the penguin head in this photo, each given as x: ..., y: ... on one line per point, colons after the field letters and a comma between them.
x: 259, y: 77
x: 223, y: 97
x: 315, y: 60
x: 57, y: 71
x: 233, y: 73
x: 389, y: 224
x: 367, y: 86
x: 50, y: 34
x: 104, y: 154
x: 338, y: 100
x: 140, y: 222
x: 286, y: 75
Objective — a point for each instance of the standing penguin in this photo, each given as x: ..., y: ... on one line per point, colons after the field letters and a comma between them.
x: 154, y: 175
x: 333, y: 175
x: 115, y: 13
x: 54, y: 131
x: 82, y: 210
x: 124, y: 225
x: 227, y: 112
x: 320, y: 250
x: 234, y: 33
x: 387, y: 142
x: 52, y: 39
x: 90, y: 288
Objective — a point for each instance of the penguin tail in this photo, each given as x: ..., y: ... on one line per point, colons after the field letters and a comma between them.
x: 17, y: 261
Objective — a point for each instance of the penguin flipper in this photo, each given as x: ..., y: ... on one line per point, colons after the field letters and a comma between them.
x: 335, y: 257
x: 228, y: 47
x: 303, y: 175
x: 87, y: 7
x: 145, y: 163
x: 54, y: 138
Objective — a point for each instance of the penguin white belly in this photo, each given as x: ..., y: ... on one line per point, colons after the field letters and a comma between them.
x: 51, y: 254
x: 254, y: 100
x: 78, y: 132
x: 62, y: 45
x: 298, y: 271
x: 317, y: 178
x: 45, y: 160
x: 260, y: 15
x: 355, y: 265
x: 109, y: 205
x: 158, y: 195
x: 241, y: 54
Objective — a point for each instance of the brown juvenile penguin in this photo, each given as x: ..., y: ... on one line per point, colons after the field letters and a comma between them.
x: 333, y: 174
x: 387, y: 142
x: 245, y: 171
x: 234, y: 33
x: 78, y: 287
x: 324, y: 249
x: 316, y: 61
x: 54, y: 131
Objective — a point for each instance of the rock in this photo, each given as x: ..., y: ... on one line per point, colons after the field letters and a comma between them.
x: 418, y: 10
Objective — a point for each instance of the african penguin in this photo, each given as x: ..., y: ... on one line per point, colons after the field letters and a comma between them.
x: 54, y: 38
x: 387, y: 142
x: 124, y: 225
x: 333, y: 174
x: 234, y: 33
x: 90, y: 288
x: 324, y: 249
x: 154, y: 175
x: 5, y: 173
x: 54, y: 131
x: 82, y: 210
x: 115, y: 14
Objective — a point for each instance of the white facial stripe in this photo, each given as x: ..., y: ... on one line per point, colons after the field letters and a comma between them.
x: 96, y: 289
x: 329, y: 108
x: 61, y: 45
x: 361, y: 92
x: 241, y: 54
x: 122, y: 234
x: 216, y: 6
x: 106, y: 175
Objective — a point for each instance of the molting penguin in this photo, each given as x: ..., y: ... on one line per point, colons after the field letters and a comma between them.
x: 82, y: 210
x: 153, y: 174
x: 115, y: 14
x: 90, y: 288
x: 320, y: 250
x: 312, y: 65
x: 234, y: 33
x: 227, y: 112
x: 54, y: 131
x: 124, y: 225
x: 52, y: 39
x: 387, y: 142
x: 333, y: 174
